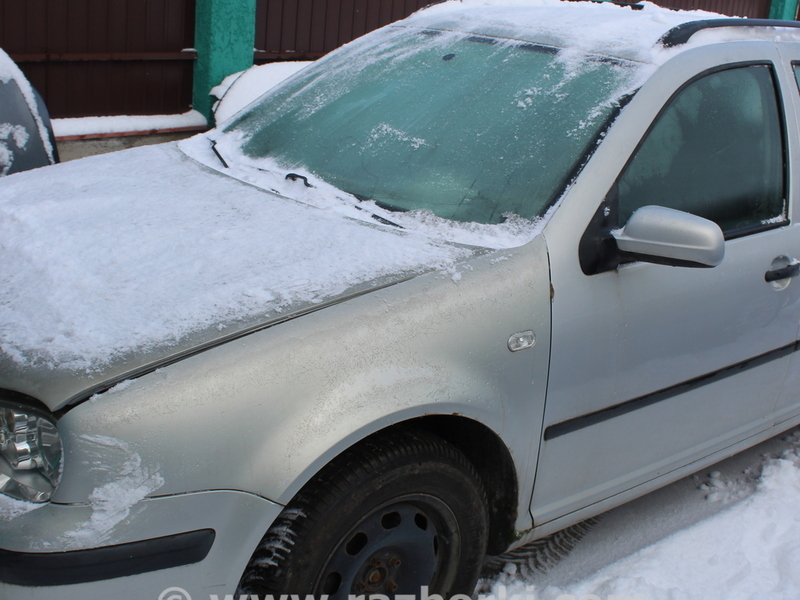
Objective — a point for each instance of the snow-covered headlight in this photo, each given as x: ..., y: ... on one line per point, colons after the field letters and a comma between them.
x: 30, y: 453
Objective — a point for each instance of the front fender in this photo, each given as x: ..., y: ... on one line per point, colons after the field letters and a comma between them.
x: 263, y: 413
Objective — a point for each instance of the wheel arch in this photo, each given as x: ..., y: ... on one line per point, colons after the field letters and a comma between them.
x: 494, y: 464
x: 490, y: 457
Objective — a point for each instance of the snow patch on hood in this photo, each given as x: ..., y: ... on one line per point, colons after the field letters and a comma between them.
x: 133, y: 250
x: 112, y: 502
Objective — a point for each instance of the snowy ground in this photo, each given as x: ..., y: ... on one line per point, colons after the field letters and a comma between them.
x: 729, y: 533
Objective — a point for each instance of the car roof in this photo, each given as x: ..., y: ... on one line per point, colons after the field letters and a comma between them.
x: 641, y: 32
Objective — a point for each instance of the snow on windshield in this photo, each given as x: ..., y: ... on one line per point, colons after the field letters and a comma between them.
x: 126, y: 251
x: 472, y: 129
x: 271, y: 176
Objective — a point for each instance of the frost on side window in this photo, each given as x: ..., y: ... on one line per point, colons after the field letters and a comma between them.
x: 716, y: 151
x: 470, y: 128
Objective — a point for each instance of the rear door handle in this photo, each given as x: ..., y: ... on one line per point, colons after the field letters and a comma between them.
x: 792, y: 270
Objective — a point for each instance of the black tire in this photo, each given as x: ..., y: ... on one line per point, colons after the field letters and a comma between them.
x: 391, y: 515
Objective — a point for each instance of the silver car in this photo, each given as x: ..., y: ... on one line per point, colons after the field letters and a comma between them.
x: 471, y: 279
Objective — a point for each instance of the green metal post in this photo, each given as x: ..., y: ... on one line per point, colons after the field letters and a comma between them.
x: 224, y: 38
x: 785, y: 10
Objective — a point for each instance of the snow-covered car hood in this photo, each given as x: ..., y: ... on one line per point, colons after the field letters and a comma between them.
x: 118, y: 263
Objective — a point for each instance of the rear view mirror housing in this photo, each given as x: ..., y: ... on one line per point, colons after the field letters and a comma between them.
x: 661, y: 235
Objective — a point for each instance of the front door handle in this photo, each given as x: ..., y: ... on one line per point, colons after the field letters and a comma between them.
x: 792, y: 270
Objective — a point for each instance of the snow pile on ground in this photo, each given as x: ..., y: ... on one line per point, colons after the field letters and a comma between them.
x: 84, y: 126
x: 750, y: 550
x: 127, y: 251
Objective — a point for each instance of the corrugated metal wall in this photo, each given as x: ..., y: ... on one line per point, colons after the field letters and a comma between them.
x: 307, y: 29
x: 756, y: 9
x: 103, y: 57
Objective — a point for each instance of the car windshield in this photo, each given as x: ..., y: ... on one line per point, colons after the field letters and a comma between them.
x: 471, y: 128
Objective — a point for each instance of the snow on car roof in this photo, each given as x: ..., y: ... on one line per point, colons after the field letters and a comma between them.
x: 596, y: 27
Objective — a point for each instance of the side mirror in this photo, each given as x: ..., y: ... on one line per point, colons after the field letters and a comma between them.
x: 671, y: 237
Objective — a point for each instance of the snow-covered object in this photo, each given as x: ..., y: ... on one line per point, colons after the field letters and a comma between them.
x: 79, y: 126
x: 239, y: 89
x: 9, y: 132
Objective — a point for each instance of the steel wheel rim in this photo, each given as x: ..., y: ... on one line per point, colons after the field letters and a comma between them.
x: 407, y: 543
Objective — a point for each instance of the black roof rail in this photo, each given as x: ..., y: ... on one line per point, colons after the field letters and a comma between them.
x: 683, y: 32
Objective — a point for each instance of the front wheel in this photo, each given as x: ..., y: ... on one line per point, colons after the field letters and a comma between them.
x: 401, y: 513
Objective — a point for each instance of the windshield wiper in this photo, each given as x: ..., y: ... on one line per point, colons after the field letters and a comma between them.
x: 378, y: 218
x: 219, y: 156
x: 296, y: 176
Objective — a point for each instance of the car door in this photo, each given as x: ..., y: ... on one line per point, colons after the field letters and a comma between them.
x: 788, y: 409
x: 656, y: 367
